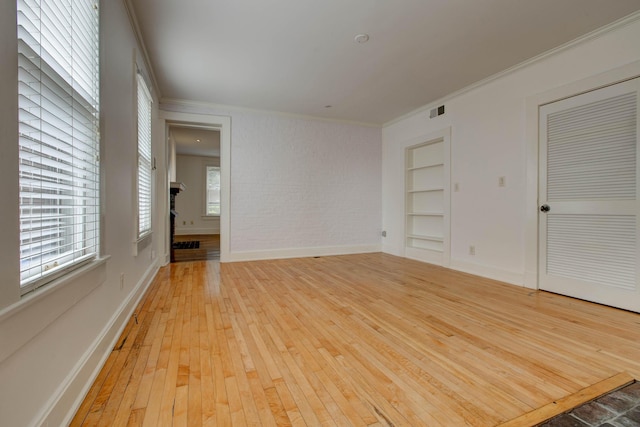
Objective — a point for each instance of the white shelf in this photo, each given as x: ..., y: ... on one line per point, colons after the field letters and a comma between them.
x: 425, y: 213
x: 426, y: 190
x: 426, y: 194
x: 424, y: 202
x: 430, y: 238
x: 424, y: 166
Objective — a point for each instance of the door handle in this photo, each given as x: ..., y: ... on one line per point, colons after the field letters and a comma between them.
x: 545, y: 208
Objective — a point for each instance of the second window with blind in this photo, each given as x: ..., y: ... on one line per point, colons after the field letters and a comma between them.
x: 145, y: 165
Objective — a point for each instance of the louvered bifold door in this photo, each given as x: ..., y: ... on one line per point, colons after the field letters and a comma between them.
x: 588, y: 198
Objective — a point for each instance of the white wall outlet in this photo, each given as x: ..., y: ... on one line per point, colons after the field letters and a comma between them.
x: 121, y: 281
x: 472, y: 250
x: 456, y: 187
x: 502, y: 181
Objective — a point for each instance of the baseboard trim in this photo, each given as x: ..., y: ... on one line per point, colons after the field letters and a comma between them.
x: 301, y: 252
x: 67, y: 399
x: 189, y: 231
x: 498, y: 274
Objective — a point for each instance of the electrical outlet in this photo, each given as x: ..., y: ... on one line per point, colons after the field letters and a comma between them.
x: 184, y: 222
x: 191, y: 222
x: 502, y: 181
x: 472, y: 250
x: 121, y: 281
x: 456, y: 187
x: 384, y: 233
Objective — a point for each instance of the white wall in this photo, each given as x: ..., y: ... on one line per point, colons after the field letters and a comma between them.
x: 300, y: 186
x: 54, y: 340
x: 190, y: 170
x: 488, y: 126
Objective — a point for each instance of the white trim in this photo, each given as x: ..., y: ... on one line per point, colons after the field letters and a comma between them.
x: 189, y: 231
x: 434, y: 257
x: 511, y: 277
x: 223, y: 124
x: 424, y: 255
x: 140, y: 82
x: 533, y: 104
x: 166, y: 102
x: 302, y: 252
x: 66, y: 400
x: 133, y: 20
x: 210, y: 217
x: 206, y: 165
x: 24, y: 319
x: 629, y: 19
x: 142, y: 242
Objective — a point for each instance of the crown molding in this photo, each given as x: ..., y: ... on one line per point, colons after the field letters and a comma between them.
x: 620, y: 23
x: 133, y: 19
x: 199, y: 106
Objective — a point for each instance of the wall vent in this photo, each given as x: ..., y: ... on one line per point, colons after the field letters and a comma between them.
x: 438, y: 111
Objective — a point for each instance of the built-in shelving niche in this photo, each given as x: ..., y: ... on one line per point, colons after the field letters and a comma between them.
x: 427, y: 201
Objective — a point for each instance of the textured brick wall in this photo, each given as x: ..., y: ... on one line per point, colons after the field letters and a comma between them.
x: 299, y: 183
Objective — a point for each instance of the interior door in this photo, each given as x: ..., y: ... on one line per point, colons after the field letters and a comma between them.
x: 588, y: 196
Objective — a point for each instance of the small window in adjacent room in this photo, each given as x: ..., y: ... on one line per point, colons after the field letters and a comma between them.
x: 144, y: 158
x: 212, y: 191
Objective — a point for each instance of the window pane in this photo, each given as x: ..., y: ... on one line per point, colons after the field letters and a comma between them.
x: 58, y: 90
x: 213, y: 190
x: 144, y: 158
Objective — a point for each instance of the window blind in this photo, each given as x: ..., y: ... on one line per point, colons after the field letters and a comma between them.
x: 213, y: 191
x: 144, y: 158
x: 58, y: 89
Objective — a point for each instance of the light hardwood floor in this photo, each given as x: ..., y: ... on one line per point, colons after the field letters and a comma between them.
x: 351, y: 340
x: 209, y: 247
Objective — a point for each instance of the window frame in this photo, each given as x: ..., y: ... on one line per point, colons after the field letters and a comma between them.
x: 64, y: 89
x: 142, y: 86
x: 205, y: 198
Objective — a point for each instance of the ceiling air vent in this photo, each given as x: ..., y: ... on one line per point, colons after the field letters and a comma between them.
x: 438, y: 111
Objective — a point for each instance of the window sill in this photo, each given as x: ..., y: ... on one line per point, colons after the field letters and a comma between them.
x: 22, y: 321
x: 140, y: 244
x: 210, y: 217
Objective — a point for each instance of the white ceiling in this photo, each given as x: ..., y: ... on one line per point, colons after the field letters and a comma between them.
x: 298, y: 56
x: 195, y: 141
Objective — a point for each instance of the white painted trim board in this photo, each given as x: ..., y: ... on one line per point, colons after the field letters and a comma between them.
x: 302, y: 252
x: 63, y: 404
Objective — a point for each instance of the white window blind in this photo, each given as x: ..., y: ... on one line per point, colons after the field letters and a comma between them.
x: 144, y: 158
x: 58, y: 88
x: 213, y: 191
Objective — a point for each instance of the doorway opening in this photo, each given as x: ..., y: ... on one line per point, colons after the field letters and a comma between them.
x: 198, y: 157
x: 197, y: 208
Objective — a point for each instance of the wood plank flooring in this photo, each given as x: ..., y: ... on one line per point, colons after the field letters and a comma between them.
x: 362, y: 340
x: 209, y: 247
